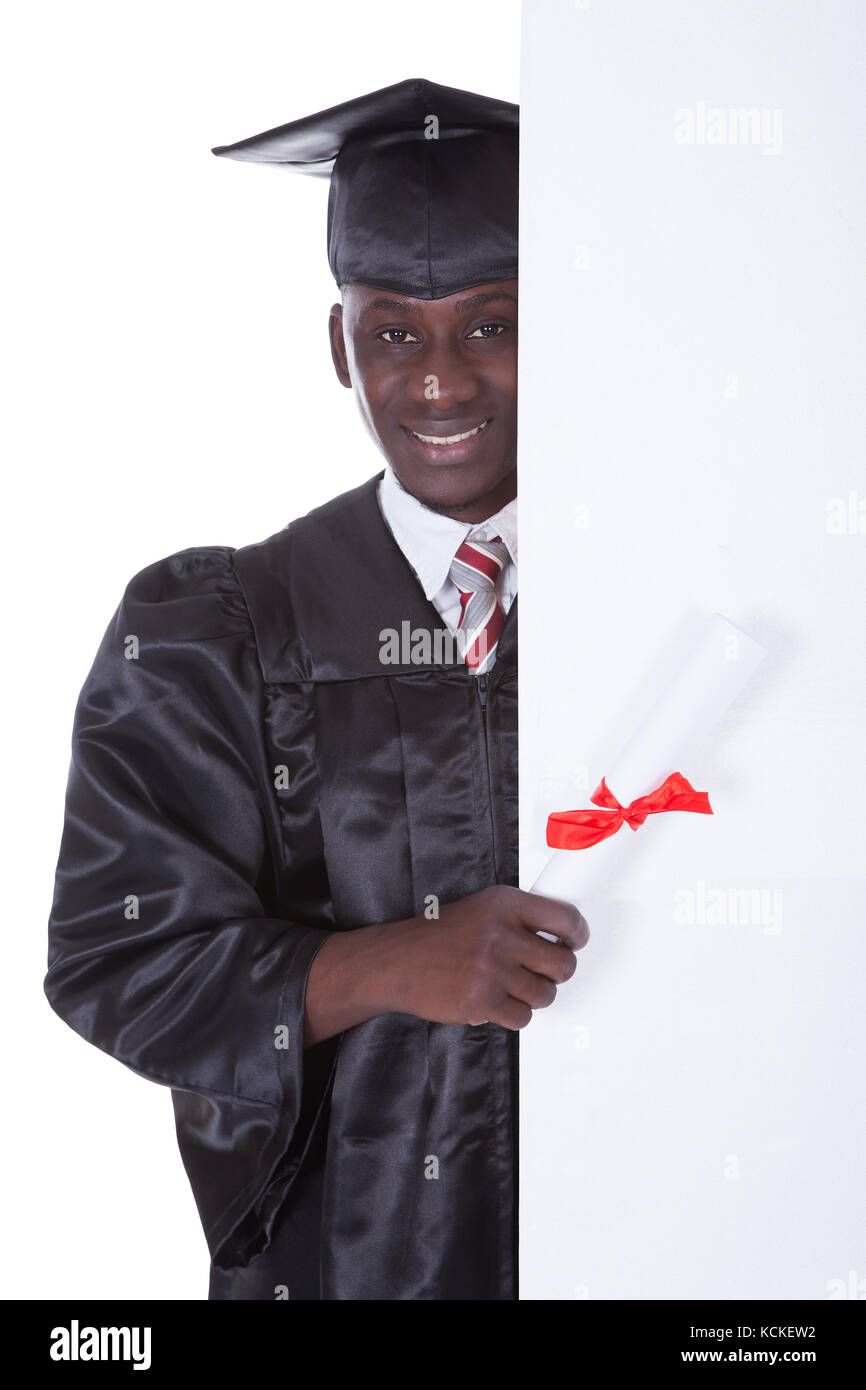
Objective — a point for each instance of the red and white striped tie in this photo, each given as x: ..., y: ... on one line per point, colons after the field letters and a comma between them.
x: 475, y: 570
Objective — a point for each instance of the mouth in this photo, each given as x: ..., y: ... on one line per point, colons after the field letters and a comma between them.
x: 446, y: 441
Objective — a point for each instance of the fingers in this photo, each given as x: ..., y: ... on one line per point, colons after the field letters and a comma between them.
x: 526, y: 992
x: 525, y: 966
x: 560, y: 919
x: 511, y: 1013
x: 556, y: 962
x: 537, y: 991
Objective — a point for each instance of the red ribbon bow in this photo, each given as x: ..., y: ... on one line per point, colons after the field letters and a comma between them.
x: 580, y: 829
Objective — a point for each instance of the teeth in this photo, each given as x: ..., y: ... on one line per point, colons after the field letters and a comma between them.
x: 443, y: 440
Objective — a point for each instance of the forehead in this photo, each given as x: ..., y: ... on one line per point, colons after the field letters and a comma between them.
x: 362, y: 301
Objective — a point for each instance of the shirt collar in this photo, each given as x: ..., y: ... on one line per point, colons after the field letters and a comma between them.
x: 430, y: 540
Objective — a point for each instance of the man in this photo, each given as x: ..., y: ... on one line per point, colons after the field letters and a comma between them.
x: 287, y: 881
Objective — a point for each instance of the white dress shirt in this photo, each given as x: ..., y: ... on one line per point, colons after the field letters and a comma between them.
x: 430, y: 541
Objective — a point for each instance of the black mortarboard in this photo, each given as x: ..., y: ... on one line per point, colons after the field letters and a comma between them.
x: 423, y: 197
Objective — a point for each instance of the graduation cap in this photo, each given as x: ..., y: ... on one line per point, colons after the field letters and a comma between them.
x: 423, y: 193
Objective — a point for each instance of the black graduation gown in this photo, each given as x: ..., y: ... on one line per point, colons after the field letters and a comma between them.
x: 248, y: 777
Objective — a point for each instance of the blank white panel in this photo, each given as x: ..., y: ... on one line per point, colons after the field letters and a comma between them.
x: 692, y: 440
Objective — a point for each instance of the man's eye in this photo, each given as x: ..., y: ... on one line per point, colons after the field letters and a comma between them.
x: 487, y: 330
x: 397, y: 335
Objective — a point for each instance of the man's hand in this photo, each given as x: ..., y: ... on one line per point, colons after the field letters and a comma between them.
x: 480, y: 961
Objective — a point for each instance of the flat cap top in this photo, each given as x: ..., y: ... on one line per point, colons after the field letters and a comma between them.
x: 423, y: 194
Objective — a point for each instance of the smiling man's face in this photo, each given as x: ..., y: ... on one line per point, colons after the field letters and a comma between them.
x: 436, y: 383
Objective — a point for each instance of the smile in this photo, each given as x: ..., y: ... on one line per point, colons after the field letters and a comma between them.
x: 443, y: 440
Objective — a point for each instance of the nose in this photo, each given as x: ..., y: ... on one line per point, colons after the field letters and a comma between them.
x: 442, y: 378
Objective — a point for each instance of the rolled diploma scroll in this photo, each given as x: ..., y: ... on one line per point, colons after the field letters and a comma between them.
x: 719, y: 665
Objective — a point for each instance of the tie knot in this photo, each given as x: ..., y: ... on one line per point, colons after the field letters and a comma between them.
x: 478, y: 564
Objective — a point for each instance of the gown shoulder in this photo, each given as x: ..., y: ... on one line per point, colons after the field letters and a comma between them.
x: 193, y: 592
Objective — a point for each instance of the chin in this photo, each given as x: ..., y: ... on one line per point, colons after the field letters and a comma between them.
x: 446, y: 488
x: 443, y: 498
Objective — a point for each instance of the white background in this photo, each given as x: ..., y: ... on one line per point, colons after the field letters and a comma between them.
x: 168, y: 384
x: 692, y: 420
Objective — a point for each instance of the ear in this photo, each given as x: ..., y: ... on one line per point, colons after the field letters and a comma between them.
x: 338, y: 345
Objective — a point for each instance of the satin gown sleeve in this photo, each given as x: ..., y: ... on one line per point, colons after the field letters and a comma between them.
x: 165, y: 949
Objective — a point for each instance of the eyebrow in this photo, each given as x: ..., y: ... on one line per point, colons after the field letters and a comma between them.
x: 391, y: 306
x: 408, y: 306
x: 477, y: 301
